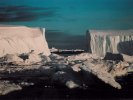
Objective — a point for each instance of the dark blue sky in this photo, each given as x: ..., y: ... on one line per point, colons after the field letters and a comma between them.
x: 68, y: 16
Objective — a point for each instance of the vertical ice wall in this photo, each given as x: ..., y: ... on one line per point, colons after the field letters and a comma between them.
x: 21, y: 39
x: 114, y: 41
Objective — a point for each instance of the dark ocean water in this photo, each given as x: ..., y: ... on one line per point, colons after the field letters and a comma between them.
x: 68, y: 19
x: 45, y: 90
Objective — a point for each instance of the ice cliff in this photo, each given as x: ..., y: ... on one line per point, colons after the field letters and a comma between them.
x: 21, y: 39
x: 100, y: 42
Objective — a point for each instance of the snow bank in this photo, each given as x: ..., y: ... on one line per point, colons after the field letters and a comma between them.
x: 114, y: 41
x: 21, y: 39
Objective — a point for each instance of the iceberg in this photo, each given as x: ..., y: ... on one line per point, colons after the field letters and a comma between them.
x: 22, y: 39
x: 100, y: 42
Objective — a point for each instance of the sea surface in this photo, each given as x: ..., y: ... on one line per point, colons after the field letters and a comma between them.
x: 45, y: 90
x: 68, y: 18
